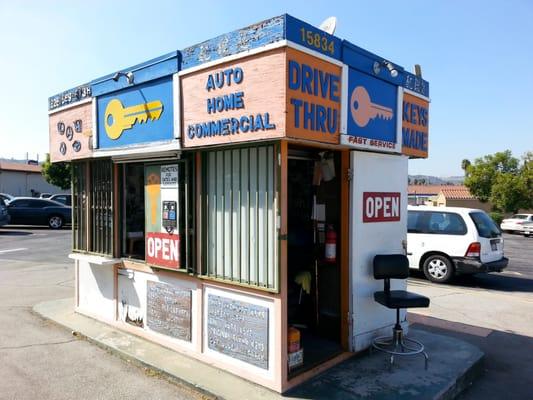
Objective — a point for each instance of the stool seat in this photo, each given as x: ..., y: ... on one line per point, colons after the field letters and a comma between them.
x: 400, y: 299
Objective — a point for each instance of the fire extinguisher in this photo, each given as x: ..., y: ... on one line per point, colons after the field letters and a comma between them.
x: 330, y: 255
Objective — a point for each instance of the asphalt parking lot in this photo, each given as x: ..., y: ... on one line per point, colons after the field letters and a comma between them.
x: 492, y: 311
x: 40, y: 360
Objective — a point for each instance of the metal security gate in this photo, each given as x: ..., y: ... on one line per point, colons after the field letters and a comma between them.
x: 239, y: 205
x: 79, y: 206
x: 101, y: 201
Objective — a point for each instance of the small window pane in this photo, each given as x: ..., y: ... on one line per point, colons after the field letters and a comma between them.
x: 446, y: 223
x: 412, y: 221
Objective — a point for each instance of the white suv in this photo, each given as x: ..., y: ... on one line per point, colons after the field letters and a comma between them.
x: 444, y: 241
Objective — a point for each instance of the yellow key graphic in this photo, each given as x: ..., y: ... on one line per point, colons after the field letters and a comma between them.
x: 118, y: 119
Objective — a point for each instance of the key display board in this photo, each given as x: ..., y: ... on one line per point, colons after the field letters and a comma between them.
x: 168, y: 310
x: 138, y: 115
x: 238, y: 329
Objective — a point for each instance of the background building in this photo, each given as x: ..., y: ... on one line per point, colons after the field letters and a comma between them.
x: 23, y: 179
x: 445, y: 196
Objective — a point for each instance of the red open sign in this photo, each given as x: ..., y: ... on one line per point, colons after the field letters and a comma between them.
x: 381, y: 206
x: 163, y: 249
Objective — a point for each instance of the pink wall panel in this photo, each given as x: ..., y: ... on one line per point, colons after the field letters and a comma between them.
x: 250, y: 107
x: 71, y: 133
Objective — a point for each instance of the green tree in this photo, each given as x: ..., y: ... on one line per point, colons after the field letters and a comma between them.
x: 57, y: 174
x: 501, y: 179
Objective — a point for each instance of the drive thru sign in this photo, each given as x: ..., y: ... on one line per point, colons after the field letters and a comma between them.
x: 381, y: 206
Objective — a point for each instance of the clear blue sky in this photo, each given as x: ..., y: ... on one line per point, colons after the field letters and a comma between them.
x: 477, y: 56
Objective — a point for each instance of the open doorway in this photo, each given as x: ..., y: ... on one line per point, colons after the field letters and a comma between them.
x: 314, y: 268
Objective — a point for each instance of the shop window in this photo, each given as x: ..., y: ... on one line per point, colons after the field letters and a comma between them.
x: 156, y: 221
x: 92, y: 206
x: 239, y: 216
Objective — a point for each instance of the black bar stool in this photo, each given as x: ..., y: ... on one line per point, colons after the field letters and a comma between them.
x: 396, y: 266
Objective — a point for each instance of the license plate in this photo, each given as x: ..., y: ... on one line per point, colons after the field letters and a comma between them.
x: 494, y: 244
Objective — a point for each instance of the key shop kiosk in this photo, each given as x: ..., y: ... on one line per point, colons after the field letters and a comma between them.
x: 228, y: 198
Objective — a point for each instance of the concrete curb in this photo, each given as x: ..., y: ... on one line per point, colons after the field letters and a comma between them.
x: 466, y: 378
x: 128, y: 357
x: 361, y: 377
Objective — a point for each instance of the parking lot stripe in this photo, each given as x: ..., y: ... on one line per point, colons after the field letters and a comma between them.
x: 12, y: 250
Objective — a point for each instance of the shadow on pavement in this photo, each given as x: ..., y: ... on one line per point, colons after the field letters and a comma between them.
x: 492, y: 281
x: 507, y: 367
x: 14, y: 233
x: 33, y: 228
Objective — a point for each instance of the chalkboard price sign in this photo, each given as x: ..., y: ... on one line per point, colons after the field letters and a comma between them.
x: 238, y: 329
x: 169, y: 310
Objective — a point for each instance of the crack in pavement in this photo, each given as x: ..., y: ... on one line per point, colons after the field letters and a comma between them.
x: 25, y: 346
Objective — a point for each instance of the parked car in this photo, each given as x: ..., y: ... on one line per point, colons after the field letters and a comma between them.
x: 4, y: 216
x: 65, y: 199
x: 45, y: 195
x: 527, y: 229
x: 447, y: 241
x: 31, y: 211
x: 6, y: 197
x: 514, y: 224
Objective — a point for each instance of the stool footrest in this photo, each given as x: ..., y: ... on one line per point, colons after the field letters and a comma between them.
x: 402, y: 347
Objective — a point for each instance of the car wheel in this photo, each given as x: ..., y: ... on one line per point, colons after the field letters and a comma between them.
x: 55, y: 222
x: 438, y: 269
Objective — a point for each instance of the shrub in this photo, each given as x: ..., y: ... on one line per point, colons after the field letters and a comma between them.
x: 496, y: 217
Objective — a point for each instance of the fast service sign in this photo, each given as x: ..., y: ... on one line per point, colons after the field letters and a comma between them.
x: 372, y: 113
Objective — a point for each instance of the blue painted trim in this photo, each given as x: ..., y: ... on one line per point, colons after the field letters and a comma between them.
x: 363, y: 60
x: 328, y: 45
x: 164, y: 65
x: 257, y: 35
x: 272, y: 30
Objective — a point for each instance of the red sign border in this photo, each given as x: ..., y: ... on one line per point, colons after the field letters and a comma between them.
x: 366, y: 195
x: 160, y: 263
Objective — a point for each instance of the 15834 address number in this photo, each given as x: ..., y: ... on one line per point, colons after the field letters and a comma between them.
x: 318, y: 41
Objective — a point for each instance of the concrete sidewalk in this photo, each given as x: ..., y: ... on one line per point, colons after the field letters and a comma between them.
x: 453, y: 365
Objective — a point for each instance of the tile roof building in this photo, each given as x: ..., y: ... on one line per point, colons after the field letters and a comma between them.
x: 445, y: 196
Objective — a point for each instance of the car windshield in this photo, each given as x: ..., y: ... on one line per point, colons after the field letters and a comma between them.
x: 519, y: 216
x: 485, y: 225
